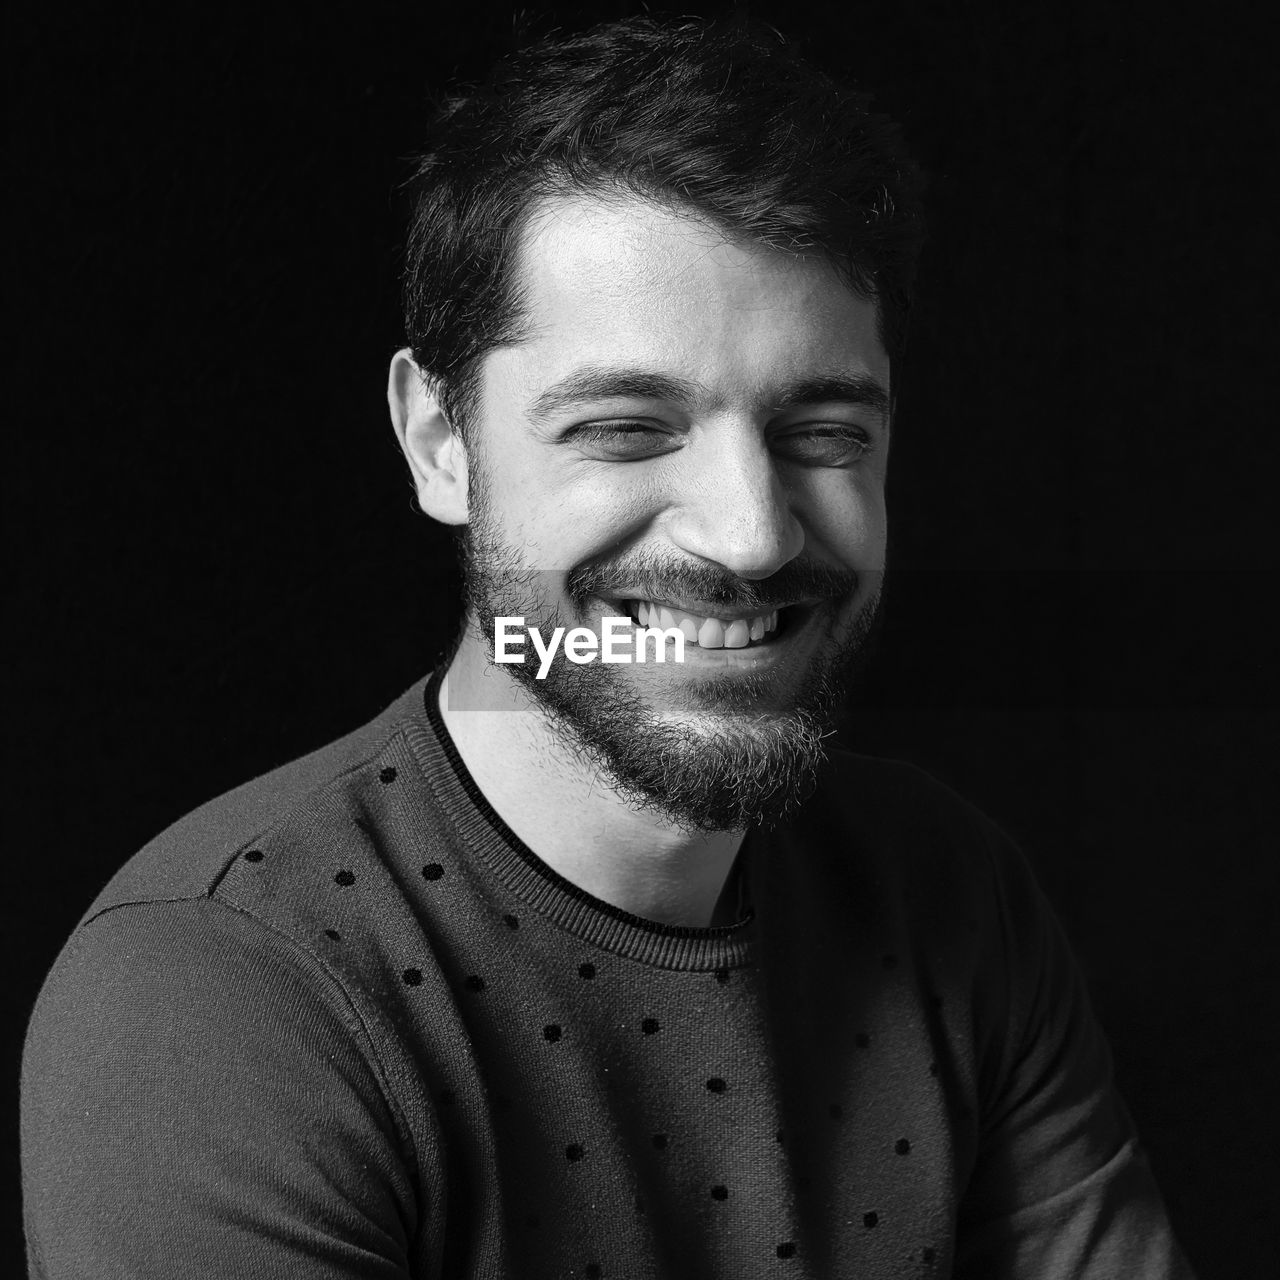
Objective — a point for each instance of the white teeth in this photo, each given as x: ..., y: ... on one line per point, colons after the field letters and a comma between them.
x: 711, y: 634
x: 706, y: 633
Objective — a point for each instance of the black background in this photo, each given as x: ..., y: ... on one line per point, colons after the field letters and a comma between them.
x: 217, y: 563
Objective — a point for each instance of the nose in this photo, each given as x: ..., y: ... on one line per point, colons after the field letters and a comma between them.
x: 733, y: 507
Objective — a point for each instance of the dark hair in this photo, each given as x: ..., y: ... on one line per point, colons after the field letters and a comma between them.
x: 722, y: 118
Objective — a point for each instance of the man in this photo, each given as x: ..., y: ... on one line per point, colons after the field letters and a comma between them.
x: 566, y: 967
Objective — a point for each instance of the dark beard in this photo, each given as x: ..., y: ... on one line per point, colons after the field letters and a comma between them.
x: 751, y: 768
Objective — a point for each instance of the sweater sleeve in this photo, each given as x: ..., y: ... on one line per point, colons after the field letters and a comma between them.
x: 199, y: 1098
x: 1062, y: 1187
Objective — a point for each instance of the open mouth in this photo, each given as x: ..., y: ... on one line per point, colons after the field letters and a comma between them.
x: 711, y: 631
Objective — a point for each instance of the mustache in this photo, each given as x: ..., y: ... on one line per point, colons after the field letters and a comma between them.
x: 662, y: 578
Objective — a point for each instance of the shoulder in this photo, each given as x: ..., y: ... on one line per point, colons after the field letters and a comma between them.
x: 880, y: 790
x: 190, y: 858
x: 883, y: 840
x: 215, y: 956
x: 229, y: 918
x: 901, y: 821
x: 153, y: 971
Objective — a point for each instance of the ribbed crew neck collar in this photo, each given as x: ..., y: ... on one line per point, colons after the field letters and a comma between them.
x: 522, y: 872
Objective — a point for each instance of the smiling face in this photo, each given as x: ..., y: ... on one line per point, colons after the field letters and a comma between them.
x: 693, y: 433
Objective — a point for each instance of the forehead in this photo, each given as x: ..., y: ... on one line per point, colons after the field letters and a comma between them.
x: 625, y: 280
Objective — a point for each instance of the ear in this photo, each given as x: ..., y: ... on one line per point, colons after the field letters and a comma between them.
x: 437, y: 457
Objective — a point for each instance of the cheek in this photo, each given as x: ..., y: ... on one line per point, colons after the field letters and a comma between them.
x: 844, y: 515
x: 560, y: 516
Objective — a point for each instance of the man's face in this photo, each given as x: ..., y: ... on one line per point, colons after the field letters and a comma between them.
x: 694, y: 426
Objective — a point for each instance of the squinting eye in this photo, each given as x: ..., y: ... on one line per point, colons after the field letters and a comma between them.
x: 824, y: 446
x: 623, y: 441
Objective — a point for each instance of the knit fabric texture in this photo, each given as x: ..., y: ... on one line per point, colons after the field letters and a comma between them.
x: 342, y: 1023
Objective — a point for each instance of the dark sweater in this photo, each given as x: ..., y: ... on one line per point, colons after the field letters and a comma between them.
x: 341, y: 1022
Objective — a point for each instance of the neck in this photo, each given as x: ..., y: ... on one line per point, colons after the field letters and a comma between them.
x: 566, y: 811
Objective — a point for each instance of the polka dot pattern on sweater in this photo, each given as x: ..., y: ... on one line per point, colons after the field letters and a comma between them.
x: 601, y: 1073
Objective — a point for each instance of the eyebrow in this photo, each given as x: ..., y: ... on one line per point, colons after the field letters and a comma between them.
x: 859, y: 388
x: 607, y: 382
